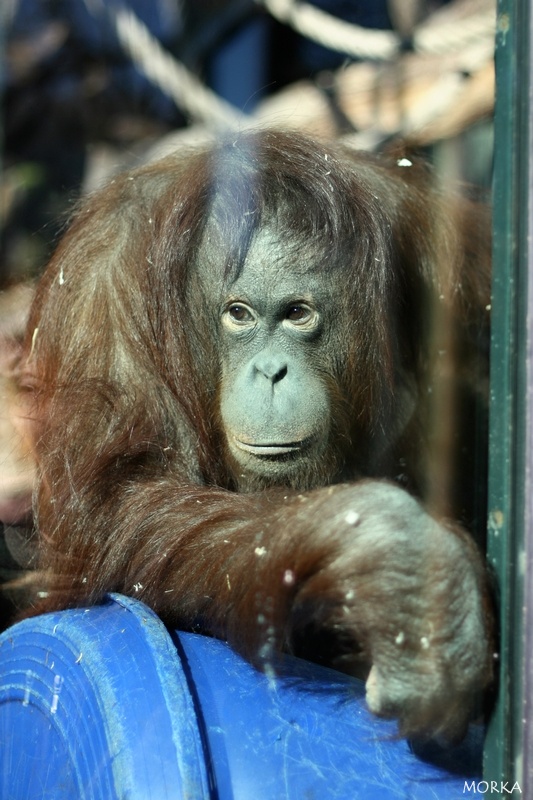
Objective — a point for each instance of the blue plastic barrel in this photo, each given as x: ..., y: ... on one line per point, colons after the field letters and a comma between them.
x: 105, y: 703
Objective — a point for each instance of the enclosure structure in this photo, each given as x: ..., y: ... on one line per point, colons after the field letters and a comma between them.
x: 510, y: 736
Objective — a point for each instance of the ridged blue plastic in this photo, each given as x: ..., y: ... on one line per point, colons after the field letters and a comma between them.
x: 106, y: 704
x: 94, y: 705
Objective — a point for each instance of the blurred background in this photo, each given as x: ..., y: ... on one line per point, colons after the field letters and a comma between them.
x: 92, y: 86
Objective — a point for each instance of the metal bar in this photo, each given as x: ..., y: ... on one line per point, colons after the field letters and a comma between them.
x: 527, y: 213
x: 510, y: 418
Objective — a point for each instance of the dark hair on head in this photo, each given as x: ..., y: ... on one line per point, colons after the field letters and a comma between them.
x: 310, y: 194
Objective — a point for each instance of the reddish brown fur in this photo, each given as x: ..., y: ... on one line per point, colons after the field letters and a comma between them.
x: 135, y: 494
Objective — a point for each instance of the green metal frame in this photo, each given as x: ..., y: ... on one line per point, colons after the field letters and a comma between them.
x: 510, y: 429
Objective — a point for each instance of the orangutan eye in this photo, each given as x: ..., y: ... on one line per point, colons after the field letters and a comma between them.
x: 298, y: 314
x: 238, y: 314
x: 302, y: 315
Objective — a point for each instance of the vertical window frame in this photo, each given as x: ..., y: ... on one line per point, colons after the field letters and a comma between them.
x: 510, y: 519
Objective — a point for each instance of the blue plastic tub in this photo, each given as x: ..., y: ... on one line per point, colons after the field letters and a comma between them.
x: 104, y: 703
